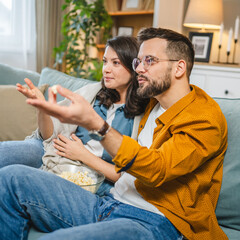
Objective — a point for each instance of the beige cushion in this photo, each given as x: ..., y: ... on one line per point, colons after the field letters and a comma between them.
x: 17, y: 118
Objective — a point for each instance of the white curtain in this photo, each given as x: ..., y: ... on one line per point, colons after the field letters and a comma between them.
x: 18, y: 33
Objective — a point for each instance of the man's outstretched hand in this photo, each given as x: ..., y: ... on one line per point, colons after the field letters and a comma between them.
x: 79, y: 112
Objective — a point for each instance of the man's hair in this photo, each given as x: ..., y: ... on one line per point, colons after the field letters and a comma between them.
x: 178, y: 45
x: 126, y: 49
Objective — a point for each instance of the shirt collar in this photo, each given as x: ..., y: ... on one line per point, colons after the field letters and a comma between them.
x: 175, y: 109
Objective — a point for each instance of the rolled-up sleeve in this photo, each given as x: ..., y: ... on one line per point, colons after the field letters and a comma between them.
x: 126, y: 155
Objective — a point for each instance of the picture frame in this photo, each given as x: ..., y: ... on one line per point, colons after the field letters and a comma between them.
x: 202, y: 43
x: 130, y: 5
x: 125, y: 31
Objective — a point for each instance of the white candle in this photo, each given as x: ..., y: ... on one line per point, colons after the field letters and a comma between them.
x: 236, y: 28
x: 221, y: 34
x: 229, y: 40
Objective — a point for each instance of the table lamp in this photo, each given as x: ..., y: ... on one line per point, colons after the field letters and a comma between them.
x: 204, y: 14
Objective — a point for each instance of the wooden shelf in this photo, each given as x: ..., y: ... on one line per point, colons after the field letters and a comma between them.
x: 100, y: 46
x: 136, y: 19
x: 126, y: 13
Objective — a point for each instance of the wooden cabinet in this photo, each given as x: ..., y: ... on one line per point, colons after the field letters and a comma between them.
x: 217, y: 81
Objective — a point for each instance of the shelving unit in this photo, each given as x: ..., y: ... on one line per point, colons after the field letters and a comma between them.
x: 134, y: 19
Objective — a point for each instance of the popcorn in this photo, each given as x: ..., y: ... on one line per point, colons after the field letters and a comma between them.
x: 54, y: 89
x: 80, y: 178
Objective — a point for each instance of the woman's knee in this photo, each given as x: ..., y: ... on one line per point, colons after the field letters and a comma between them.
x: 27, y: 152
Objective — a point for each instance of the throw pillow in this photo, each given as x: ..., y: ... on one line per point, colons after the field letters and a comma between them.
x: 53, y: 77
x: 9, y: 75
x: 17, y: 118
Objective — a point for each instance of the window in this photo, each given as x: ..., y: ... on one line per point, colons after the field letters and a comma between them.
x: 5, y: 17
x: 17, y: 32
x: 15, y: 24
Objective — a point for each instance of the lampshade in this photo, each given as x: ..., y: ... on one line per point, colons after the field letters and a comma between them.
x: 204, y: 14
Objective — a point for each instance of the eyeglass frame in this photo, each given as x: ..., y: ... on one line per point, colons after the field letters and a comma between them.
x: 152, y: 58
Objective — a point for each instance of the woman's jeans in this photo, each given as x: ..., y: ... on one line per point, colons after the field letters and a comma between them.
x: 28, y: 152
x: 31, y: 196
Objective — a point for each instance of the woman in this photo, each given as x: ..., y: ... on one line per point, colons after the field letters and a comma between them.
x: 115, y: 99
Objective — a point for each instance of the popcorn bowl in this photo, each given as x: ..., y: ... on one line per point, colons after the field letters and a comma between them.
x: 83, y: 176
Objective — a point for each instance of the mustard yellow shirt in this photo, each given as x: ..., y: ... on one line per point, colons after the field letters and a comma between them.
x: 181, y: 173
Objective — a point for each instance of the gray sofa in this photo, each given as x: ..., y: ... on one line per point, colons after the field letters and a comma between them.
x: 15, y: 113
x: 227, y: 211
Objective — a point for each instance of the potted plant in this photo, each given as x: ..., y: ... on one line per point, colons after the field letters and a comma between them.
x: 81, y: 26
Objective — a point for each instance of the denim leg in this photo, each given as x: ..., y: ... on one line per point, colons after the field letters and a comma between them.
x: 121, y: 221
x: 117, y: 229
x: 32, y: 196
x: 28, y: 152
x: 104, y: 188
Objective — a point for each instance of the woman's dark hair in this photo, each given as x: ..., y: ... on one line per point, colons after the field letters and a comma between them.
x: 178, y: 45
x: 127, y: 49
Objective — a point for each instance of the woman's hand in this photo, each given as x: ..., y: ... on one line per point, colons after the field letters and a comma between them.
x: 75, y: 150
x: 72, y: 149
x: 31, y: 92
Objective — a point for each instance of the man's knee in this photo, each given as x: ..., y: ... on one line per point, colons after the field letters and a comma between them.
x: 16, y: 170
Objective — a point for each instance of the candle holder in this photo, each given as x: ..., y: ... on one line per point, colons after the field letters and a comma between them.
x: 228, y: 53
x: 234, y: 51
x: 219, y: 49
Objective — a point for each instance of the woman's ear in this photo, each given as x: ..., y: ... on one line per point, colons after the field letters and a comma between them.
x: 181, y: 68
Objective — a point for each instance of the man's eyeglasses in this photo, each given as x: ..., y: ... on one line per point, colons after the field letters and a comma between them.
x: 147, y: 61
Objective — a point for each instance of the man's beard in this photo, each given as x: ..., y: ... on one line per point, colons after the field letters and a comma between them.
x: 154, y: 87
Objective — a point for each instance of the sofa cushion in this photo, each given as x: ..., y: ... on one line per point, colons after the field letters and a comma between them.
x: 17, y: 118
x: 228, y: 210
x: 12, y: 75
x: 53, y: 77
x: 231, y: 233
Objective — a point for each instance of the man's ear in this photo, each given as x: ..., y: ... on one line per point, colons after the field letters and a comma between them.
x: 181, y: 68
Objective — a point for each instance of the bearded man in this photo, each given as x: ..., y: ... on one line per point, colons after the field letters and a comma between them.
x: 171, y: 177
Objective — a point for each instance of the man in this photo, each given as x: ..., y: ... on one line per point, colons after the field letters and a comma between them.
x: 171, y: 177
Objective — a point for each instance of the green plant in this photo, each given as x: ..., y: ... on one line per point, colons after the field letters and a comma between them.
x: 81, y: 26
